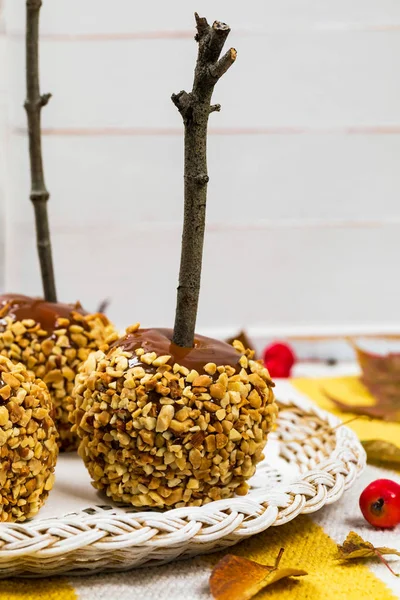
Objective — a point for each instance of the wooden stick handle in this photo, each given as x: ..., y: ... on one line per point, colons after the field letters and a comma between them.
x: 33, y: 106
x: 195, y: 108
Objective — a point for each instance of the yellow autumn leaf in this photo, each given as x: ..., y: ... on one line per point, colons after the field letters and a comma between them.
x: 381, y: 451
x: 355, y: 547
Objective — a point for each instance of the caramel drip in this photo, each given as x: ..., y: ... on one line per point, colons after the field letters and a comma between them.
x: 20, y: 307
x: 205, y: 350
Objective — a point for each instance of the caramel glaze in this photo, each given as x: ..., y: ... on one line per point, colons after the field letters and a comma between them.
x: 20, y: 307
x: 205, y: 350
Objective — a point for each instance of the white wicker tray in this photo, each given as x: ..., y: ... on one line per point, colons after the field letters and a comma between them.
x: 307, y: 466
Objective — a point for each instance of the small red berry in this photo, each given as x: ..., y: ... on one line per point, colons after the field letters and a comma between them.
x: 279, y: 359
x: 277, y: 369
x: 380, y: 503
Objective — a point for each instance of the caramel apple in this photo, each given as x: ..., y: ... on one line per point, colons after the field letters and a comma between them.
x: 170, y: 418
x: 163, y: 426
x: 28, y: 442
x: 52, y: 340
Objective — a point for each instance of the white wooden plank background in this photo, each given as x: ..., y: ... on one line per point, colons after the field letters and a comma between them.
x: 4, y: 136
x: 290, y: 79
x: 303, y: 208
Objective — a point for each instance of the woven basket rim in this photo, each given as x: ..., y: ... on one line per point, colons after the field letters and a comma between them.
x: 104, y: 538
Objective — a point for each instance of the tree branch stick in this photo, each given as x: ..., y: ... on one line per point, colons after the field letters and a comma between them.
x: 223, y: 64
x: 195, y: 108
x: 33, y: 106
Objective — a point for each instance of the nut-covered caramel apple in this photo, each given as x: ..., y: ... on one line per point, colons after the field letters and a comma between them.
x: 171, y: 418
x: 28, y: 442
x: 52, y: 340
x: 163, y: 426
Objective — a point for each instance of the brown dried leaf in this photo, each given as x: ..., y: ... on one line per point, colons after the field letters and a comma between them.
x: 242, y: 337
x: 381, y: 377
x: 355, y: 547
x: 103, y: 306
x: 236, y: 578
x: 379, y: 451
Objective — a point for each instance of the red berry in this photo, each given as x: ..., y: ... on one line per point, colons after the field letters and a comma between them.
x: 279, y: 359
x: 277, y: 369
x: 380, y: 503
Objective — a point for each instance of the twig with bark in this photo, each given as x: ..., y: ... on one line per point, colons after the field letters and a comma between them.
x: 33, y: 106
x: 195, y: 108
